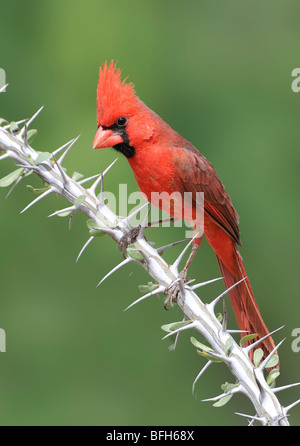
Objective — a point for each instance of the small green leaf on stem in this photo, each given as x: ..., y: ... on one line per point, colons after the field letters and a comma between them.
x: 223, y: 401
x: 148, y: 288
x: 247, y: 338
x: 257, y: 356
x: 11, y: 177
x: 272, y: 376
x: 175, y: 326
x: 77, y: 176
x: 3, y: 121
x: 273, y: 361
x: 13, y: 127
x: 228, y: 345
x: 31, y: 134
x: 42, y: 156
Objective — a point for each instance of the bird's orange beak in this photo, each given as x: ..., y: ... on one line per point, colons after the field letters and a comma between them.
x: 106, y: 138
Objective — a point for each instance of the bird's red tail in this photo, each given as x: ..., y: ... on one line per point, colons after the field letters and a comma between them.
x: 243, y: 303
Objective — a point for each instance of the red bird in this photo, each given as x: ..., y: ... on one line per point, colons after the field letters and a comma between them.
x: 163, y: 161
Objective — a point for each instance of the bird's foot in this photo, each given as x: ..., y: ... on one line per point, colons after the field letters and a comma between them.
x: 128, y: 239
x: 175, y: 288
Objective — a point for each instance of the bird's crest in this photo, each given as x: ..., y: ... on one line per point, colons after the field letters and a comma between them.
x: 115, y: 98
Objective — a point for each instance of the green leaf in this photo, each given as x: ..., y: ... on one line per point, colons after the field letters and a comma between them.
x: 92, y: 225
x: 204, y: 350
x: 31, y: 134
x: 272, y: 376
x: 97, y: 233
x: 79, y: 200
x: 209, y: 357
x: 198, y: 344
x: 13, y: 127
x: 77, y: 176
x: 273, y: 361
x: 135, y: 254
x: 247, y: 338
x: 228, y: 345
x: 175, y: 326
x: 11, y: 177
x: 223, y: 401
x: 219, y: 316
x: 43, y: 156
x: 227, y: 387
x: 148, y: 288
x: 36, y: 190
x: 64, y: 214
x: 257, y: 356
x: 3, y: 121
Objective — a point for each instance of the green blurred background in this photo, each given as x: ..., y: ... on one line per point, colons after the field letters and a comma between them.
x: 220, y: 74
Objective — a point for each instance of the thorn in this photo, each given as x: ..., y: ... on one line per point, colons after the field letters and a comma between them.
x: 128, y: 260
x: 7, y: 126
x: 6, y: 155
x: 24, y: 129
x: 287, y: 408
x: 179, y: 258
x: 218, y: 356
x: 212, y: 304
x: 254, y: 344
x: 144, y: 225
x: 200, y: 374
x: 101, y: 195
x: 84, y: 246
x: 71, y: 219
x: 170, y: 245
x: 93, y: 187
x: 231, y: 392
x: 44, y: 194
x: 288, y: 386
x: 61, y: 171
x: 158, y: 290
x: 106, y: 230
x: 266, y: 360
x: 199, y: 285
x: 12, y: 188
x: 25, y: 134
x: 176, y: 339
x: 85, y: 180
x: 2, y: 89
x: 224, y: 322
x: 60, y: 160
x: 109, y: 167
x: 179, y: 330
x: 249, y: 416
x: 101, y: 198
x: 159, y: 222
x: 56, y: 151
x: 61, y: 211
x: 134, y: 213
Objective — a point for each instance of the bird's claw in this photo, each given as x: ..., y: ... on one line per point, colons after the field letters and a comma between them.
x: 128, y: 239
x: 175, y: 288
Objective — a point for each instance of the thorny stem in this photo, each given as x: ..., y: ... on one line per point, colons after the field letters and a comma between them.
x: 250, y: 379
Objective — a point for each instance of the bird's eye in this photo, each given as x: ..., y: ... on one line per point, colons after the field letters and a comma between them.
x: 121, y: 121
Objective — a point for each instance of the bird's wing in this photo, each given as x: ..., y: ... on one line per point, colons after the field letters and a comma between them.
x: 195, y: 174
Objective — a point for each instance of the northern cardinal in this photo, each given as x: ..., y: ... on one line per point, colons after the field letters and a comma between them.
x: 163, y: 161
